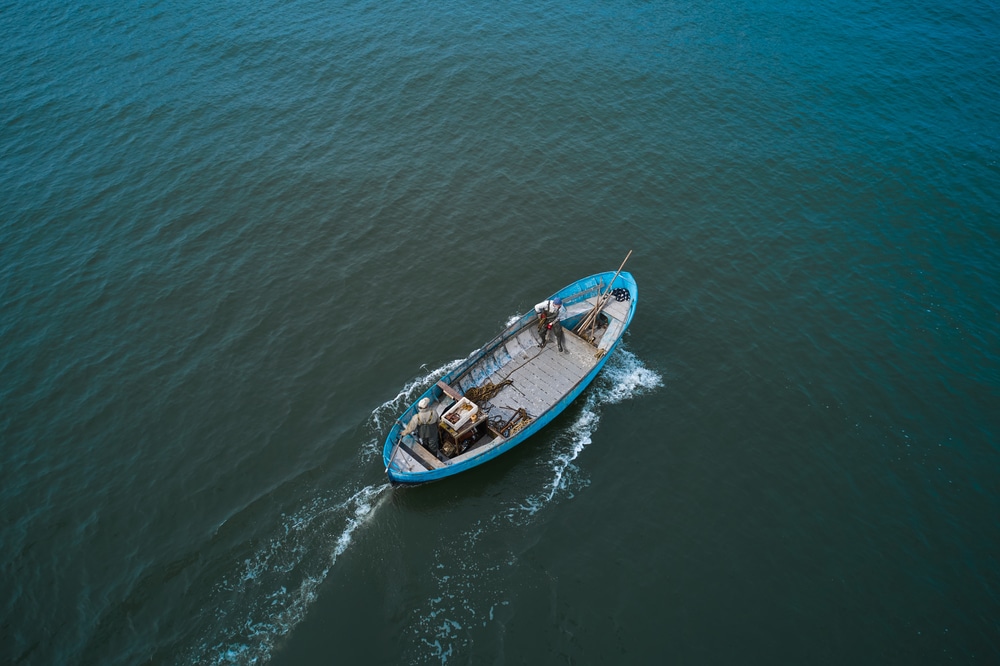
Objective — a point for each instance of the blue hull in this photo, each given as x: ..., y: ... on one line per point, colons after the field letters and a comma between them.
x: 396, y: 472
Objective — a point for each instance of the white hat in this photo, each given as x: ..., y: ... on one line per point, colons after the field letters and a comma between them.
x: 424, y: 403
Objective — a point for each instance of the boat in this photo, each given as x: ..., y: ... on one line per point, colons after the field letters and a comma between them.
x: 511, y: 387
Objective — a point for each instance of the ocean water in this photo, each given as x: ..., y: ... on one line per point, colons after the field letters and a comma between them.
x: 236, y: 239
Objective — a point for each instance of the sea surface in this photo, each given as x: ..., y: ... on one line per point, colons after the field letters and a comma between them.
x: 238, y: 238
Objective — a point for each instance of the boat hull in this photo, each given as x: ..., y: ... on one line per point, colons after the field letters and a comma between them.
x: 399, y: 457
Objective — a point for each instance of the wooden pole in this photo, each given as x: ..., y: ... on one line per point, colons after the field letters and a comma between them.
x: 602, y: 300
x: 593, y: 320
x: 620, y: 269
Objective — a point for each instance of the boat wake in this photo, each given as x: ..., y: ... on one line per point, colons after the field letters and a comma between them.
x: 622, y: 378
x: 471, y: 591
x: 269, y: 593
x: 382, y: 416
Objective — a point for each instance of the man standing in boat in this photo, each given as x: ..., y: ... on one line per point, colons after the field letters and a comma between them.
x: 425, y: 422
x: 550, y: 313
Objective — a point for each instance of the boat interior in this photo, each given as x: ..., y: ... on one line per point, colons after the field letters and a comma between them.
x: 517, y: 379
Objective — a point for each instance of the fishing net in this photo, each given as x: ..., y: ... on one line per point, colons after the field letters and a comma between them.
x: 489, y: 390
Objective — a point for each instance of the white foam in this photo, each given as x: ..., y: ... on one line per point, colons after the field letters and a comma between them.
x: 272, y: 591
x: 623, y: 377
x: 383, y: 415
x: 459, y: 580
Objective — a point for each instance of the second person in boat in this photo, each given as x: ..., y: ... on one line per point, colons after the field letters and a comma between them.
x: 425, y: 424
x: 550, y: 314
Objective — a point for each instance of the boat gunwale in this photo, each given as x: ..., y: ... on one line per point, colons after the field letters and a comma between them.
x: 402, y: 477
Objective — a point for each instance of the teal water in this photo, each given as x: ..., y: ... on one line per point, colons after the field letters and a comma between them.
x: 237, y: 238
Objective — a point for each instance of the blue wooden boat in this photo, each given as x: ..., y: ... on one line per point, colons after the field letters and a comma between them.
x: 512, y: 386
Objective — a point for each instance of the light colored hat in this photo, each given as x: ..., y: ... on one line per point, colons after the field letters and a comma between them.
x: 557, y: 301
x: 424, y: 403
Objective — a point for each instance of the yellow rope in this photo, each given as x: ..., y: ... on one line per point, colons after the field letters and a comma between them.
x: 487, y: 391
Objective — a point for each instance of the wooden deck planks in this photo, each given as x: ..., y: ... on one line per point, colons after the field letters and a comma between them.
x: 541, y: 375
x: 549, y: 376
x: 536, y: 397
x: 618, y: 309
x: 406, y: 462
x: 515, y: 348
x: 523, y: 396
x: 426, y: 457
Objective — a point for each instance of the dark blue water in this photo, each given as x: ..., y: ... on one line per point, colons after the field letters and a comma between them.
x: 236, y: 239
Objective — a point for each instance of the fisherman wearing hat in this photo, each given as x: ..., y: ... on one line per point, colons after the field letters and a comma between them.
x: 425, y: 422
x: 549, y: 315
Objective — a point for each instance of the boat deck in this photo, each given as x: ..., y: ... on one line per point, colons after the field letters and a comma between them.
x: 540, y: 376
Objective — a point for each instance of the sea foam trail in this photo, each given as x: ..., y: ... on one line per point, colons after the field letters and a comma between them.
x: 622, y: 378
x: 471, y: 590
x: 382, y: 416
x: 270, y: 592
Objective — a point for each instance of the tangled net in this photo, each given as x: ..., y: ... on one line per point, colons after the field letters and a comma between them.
x: 519, y: 421
x: 481, y: 394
